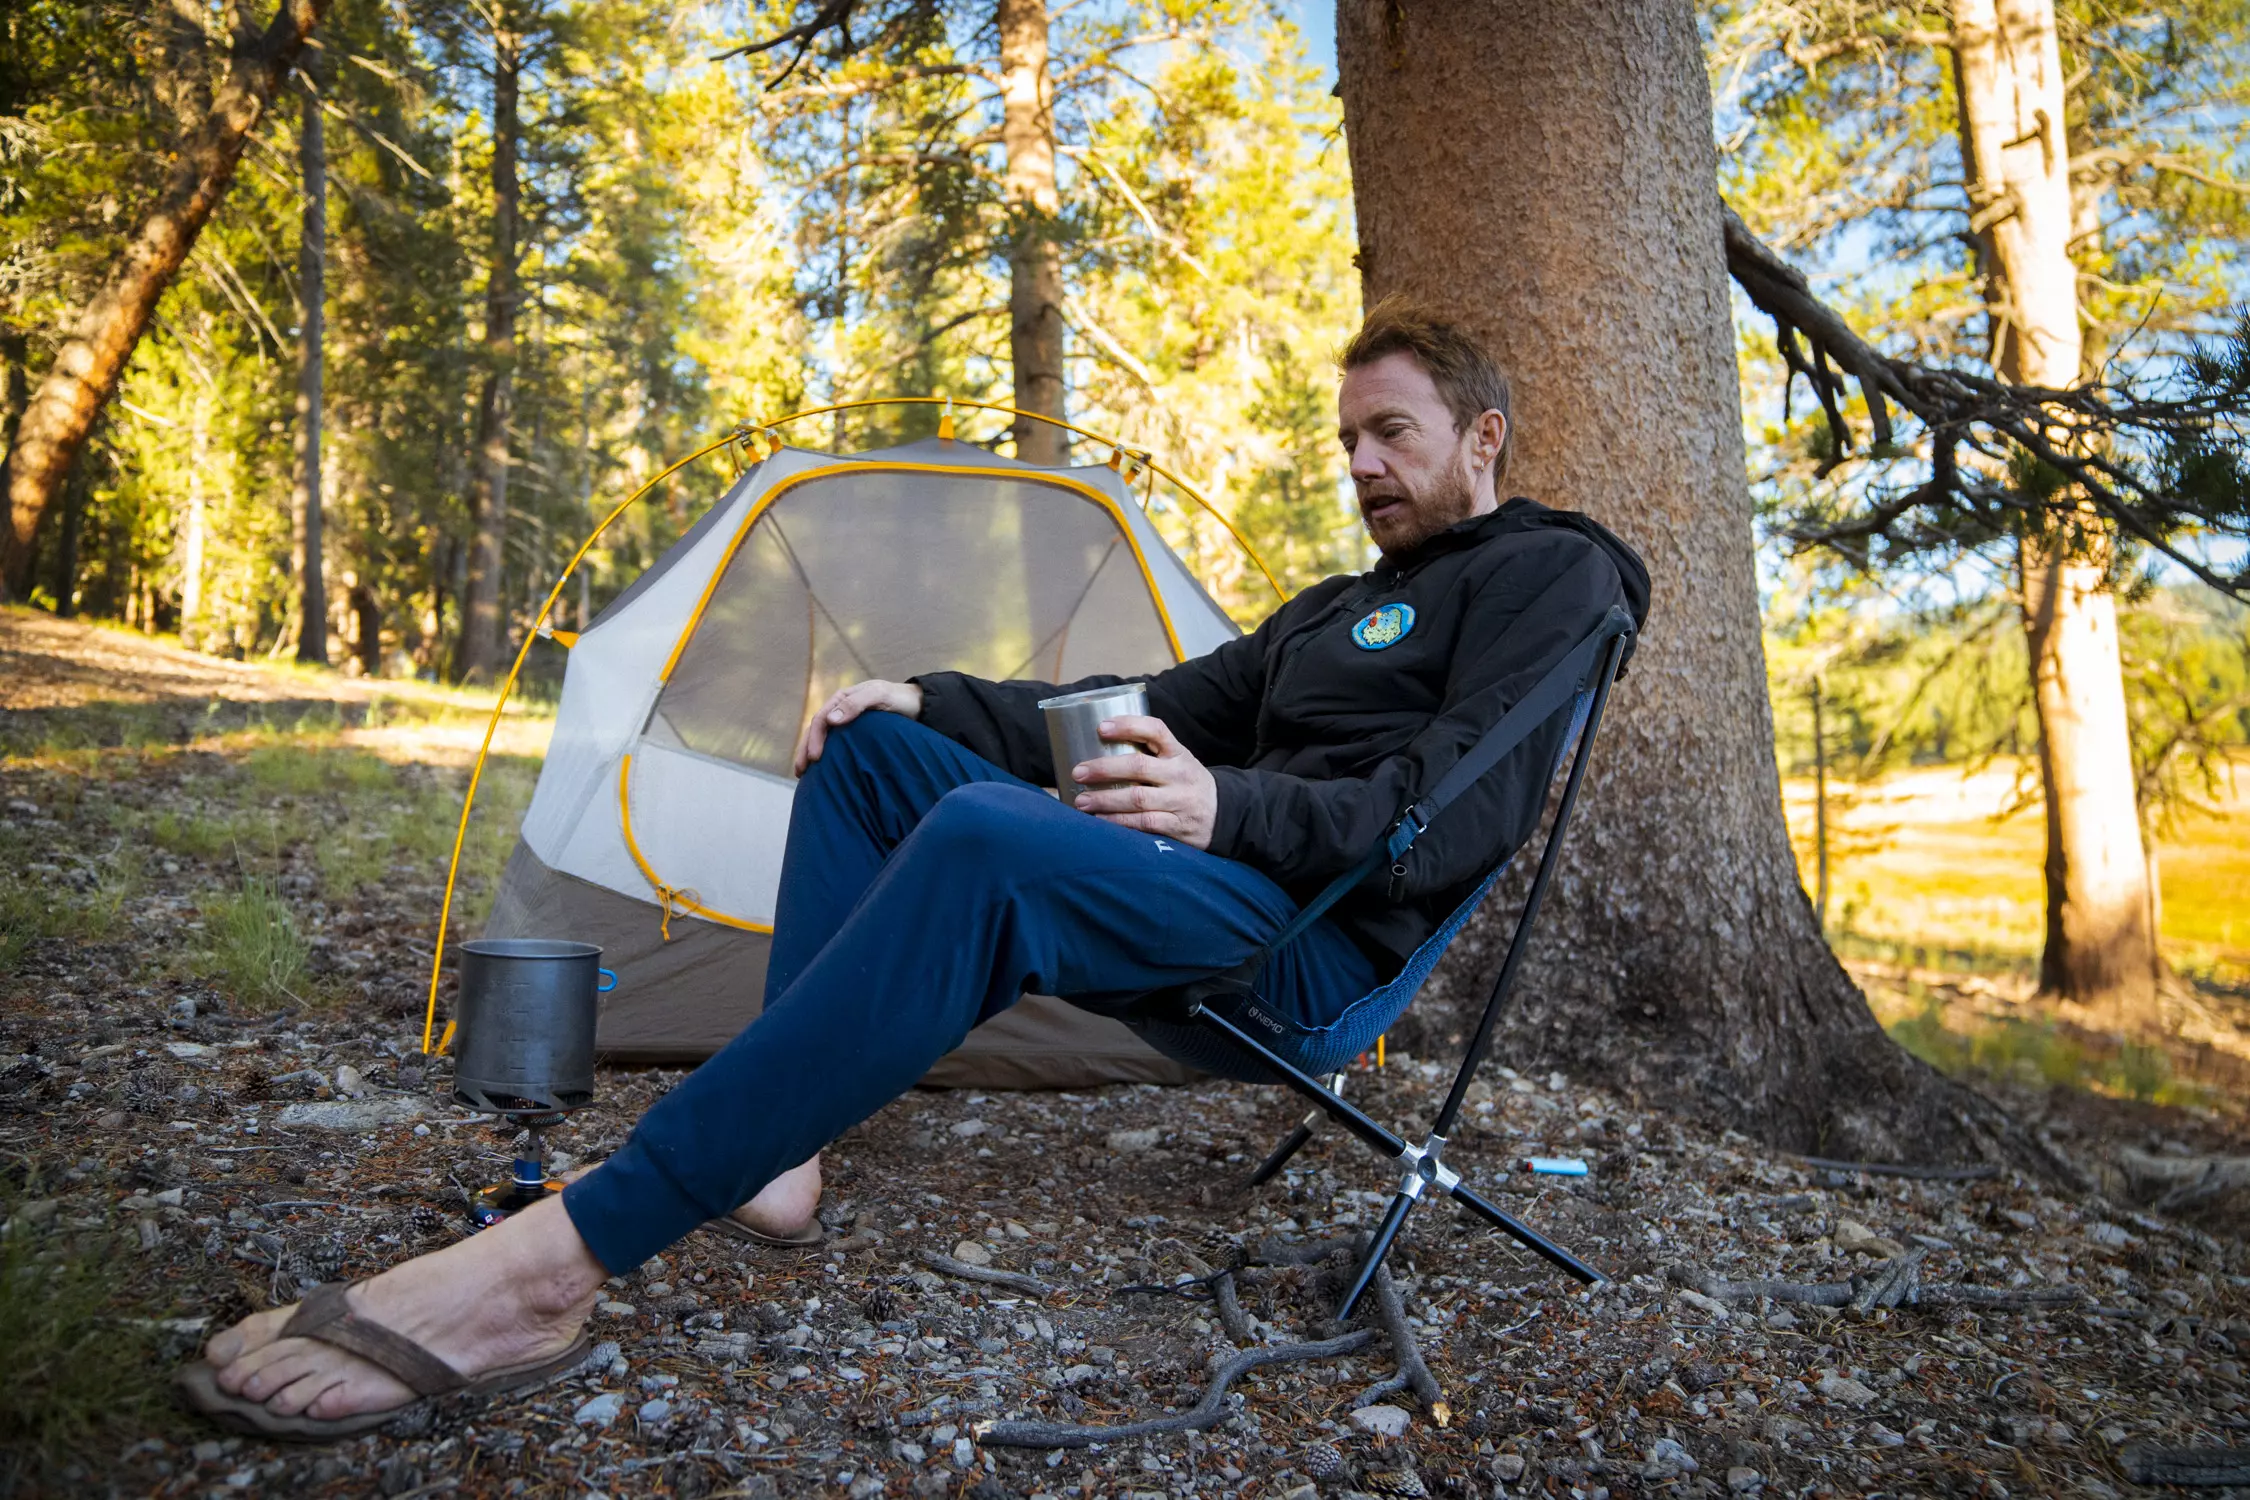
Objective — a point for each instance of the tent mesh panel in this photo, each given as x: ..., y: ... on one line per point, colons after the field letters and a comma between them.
x: 874, y: 573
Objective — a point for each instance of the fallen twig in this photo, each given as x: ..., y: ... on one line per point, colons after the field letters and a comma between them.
x: 1894, y: 1282
x: 2201, y: 1468
x: 1271, y: 1252
x: 1231, y: 1316
x: 1892, y: 1169
x: 1013, y: 1280
x: 1208, y: 1412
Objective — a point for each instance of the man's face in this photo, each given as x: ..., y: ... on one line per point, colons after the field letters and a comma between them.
x: 1414, y: 473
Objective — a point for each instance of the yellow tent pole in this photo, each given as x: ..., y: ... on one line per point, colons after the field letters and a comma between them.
x: 500, y: 705
x: 1177, y: 482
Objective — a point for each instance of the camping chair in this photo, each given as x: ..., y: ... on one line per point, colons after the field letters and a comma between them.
x: 1210, y: 1024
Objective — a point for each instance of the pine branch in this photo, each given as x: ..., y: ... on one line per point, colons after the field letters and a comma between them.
x: 2153, y: 466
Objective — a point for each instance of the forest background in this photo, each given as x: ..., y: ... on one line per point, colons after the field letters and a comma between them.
x: 538, y: 252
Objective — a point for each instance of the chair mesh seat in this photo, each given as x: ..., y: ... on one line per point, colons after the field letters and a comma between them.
x: 1318, y: 1050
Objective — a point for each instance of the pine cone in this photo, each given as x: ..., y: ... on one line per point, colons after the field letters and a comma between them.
x: 872, y: 1416
x: 1221, y: 1249
x: 1400, y: 1484
x: 423, y: 1220
x: 883, y: 1305
x: 1323, y: 1462
x: 257, y: 1088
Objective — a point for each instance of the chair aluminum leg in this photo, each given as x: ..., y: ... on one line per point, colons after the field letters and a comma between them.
x: 1296, y: 1140
x: 1394, y: 1220
x: 1524, y: 1235
x: 1291, y: 1144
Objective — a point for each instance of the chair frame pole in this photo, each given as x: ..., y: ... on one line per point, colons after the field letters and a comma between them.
x: 1424, y: 1165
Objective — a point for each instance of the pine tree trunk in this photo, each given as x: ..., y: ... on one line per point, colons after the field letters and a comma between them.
x: 198, y: 524
x: 86, y: 369
x: 2100, y: 950
x: 1543, y: 170
x: 1035, y: 284
x: 312, y: 284
x: 483, y: 637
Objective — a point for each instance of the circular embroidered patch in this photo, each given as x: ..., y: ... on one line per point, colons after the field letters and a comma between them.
x: 1385, y: 627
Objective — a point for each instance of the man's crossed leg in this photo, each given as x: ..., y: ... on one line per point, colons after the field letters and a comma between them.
x: 923, y: 890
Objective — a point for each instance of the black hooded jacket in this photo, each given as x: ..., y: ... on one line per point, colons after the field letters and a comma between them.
x: 1318, y: 737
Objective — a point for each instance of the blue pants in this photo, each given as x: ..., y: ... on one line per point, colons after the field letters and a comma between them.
x: 923, y: 890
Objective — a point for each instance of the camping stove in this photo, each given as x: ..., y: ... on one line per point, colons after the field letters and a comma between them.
x: 526, y: 1028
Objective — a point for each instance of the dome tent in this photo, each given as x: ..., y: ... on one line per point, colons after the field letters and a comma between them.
x: 659, y: 818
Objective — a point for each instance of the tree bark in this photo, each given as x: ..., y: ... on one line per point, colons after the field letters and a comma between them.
x: 312, y: 284
x: 2100, y: 946
x: 1035, y: 284
x: 198, y: 523
x: 483, y: 635
x: 87, y: 367
x: 1543, y: 171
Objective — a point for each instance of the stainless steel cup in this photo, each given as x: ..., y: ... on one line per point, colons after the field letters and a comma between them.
x: 1074, y: 724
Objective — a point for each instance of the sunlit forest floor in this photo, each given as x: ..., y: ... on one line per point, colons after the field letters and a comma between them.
x: 218, y: 886
x: 1936, y: 904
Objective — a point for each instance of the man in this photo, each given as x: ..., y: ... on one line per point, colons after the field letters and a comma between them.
x: 929, y: 881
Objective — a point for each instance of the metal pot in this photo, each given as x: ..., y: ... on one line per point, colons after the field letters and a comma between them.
x: 526, y: 1024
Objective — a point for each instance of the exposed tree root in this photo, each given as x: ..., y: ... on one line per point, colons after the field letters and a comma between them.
x: 2201, y: 1468
x: 1896, y: 1283
x: 1208, y: 1412
x: 1231, y: 1316
x: 1413, y: 1371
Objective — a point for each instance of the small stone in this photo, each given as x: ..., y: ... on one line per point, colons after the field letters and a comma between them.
x: 1383, y: 1421
x: 1883, y: 1437
x: 112, y: 1119
x: 1845, y: 1389
x: 615, y: 1309
x: 605, y: 1354
x: 1781, y: 1318
x: 964, y: 1453
x: 1744, y: 1481
x: 2108, y: 1235
x: 349, y: 1083
x: 1017, y: 1231
x: 600, y: 1411
x: 186, y: 1051
x: 209, y: 1452
x: 1781, y: 1429
x: 969, y: 1252
x: 1854, y: 1238
x: 353, y: 1114
x: 1302, y: 1492
x: 1668, y: 1460
x: 1508, y: 1467
x: 653, y: 1412
x: 1134, y: 1140
x: 968, y: 1128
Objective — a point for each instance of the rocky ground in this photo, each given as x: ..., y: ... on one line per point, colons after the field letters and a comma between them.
x: 202, y: 1157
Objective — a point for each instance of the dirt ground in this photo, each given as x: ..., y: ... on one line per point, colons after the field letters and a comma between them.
x: 207, y: 1157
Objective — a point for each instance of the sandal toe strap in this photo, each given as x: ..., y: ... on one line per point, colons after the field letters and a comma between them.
x: 325, y: 1315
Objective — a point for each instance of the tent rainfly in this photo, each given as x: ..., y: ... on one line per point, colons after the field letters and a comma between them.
x: 658, y: 824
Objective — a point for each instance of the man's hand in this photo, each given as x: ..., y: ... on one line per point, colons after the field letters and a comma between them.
x: 902, y: 698
x: 1172, y: 793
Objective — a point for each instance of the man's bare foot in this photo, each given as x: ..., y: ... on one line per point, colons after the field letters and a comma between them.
x: 511, y: 1295
x: 784, y: 1207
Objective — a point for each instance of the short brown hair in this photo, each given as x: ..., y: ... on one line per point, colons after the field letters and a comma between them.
x: 1465, y: 376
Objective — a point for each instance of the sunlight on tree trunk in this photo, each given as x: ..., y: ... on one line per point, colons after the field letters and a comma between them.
x: 197, y: 540
x: 312, y: 250
x: 54, y: 429
x: 1035, y: 289
x: 2100, y: 950
x: 1545, y: 172
x: 483, y: 609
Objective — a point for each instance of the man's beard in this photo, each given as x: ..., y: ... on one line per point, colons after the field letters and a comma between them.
x: 1448, y: 501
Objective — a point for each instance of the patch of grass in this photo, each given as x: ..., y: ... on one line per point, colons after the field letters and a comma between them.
x: 196, y: 835
x: 258, y: 954
x: 82, y: 1377
x: 2034, y: 1052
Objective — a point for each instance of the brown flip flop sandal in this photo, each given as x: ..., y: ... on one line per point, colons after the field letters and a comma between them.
x: 324, y: 1316
x: 807, y: 1238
